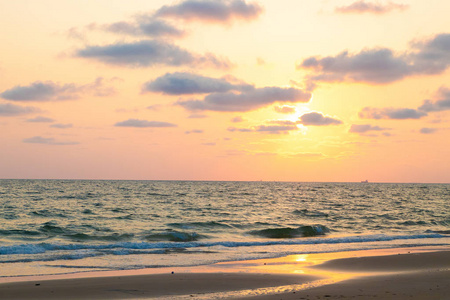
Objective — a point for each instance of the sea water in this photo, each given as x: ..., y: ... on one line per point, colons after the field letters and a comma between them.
x: 66, y: 226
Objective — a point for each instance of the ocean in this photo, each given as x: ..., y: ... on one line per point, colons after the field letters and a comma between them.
x: 71, y: 226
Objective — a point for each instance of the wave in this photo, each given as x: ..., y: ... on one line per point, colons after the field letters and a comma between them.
x: 439, y: 231
x: 115, y: 237
x: 19, y: 232
x: 310, y: 213
x: 88, y: 254
x: 127, y: 217
x: 51, y: 228
x: 47, y: 213
x: 287, y: 232
x: 158, y: 194
x: 74, y: 236
x: 71, y: 256
x: 124, y: 248
x: 210, y: 224
x: 412, y: 223
x: 174, y: 236
x: 119, y: 210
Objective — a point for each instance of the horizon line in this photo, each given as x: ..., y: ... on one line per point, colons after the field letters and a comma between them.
x: 213, y: 180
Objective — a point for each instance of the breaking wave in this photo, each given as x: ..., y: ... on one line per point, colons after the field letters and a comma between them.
x: 287, y: 232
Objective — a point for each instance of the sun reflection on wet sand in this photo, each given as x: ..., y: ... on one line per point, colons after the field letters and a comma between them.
x: 293, y: 264
x: 302, y: 265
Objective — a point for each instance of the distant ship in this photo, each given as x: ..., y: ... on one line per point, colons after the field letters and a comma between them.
x: 365, y: 181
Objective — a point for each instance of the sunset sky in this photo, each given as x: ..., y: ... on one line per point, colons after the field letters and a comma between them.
x: 286, y: 90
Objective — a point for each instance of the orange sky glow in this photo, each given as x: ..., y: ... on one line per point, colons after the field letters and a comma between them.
x: 288, y: 90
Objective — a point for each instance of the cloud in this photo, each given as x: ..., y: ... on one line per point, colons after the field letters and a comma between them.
x: 442, y: 104
x: 307, y: 86
x: 209, y: 144
x: 247, y: 100
x: 181, y: 83
x: 281, y: 127
x: 381, y: 65
x: 282, y: 122
x: 143, y: 123
x: 317, y: 119
x: 142, y: 26
x: 8, y: 110
x: 391, y: 113
x: 197, y: 116
x: 155, y: 107
x: 275, y: 129
x: 211, y: 11
x: 155, y: 24
x: 234, y: 129
x: 439, y: 105
x: 237, y: 119
x: 47, y: 141
x: 372, y: 66
x: 432, y: 56
x: 194, y: 131
x: 285, y: 109
x: 127, y: 110
x: 40, y: 119
x: 61, y: 126
x: 362, y: 6
x: 426, y: 130
x: 355, y: 128
x: 147, y: 53
x: 35, y: 91
x: 51, y: 91
x: 76, y: 33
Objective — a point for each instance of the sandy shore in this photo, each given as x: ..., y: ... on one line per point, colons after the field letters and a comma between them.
x: 407, y: 276
x: 393, y: 274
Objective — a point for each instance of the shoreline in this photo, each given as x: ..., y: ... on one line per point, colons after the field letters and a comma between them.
x: 425, y: 269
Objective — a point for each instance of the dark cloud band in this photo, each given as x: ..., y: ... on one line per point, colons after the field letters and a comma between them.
x: 247, y: 100
x: 381, y: 65
x: 428, y: 106
x: 317, y: 119
x: 48, y: 141
x: 363, y: 128
x: 187, y: 83
x: 148, y: 53
x: 40, y: 119
x: 360, y: 7
x: 51, y: 91
x: 144, y: 26
x: 143, y: 124
x: 439, y: 105
x: 213, y: 11
x: 9, y: 110
x: 391, y: 113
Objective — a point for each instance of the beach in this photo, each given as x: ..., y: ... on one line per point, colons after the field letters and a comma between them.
x: 222, y: 240
x: 224, y: 149
x: 404, y: 273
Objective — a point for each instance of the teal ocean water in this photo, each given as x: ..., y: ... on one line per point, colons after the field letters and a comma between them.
x: 65, y: 226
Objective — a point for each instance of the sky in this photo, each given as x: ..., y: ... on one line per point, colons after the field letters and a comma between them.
x: 286, y: 90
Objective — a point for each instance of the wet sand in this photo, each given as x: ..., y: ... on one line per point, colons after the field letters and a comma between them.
x: 392, y: 274
x: 407, y: 276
